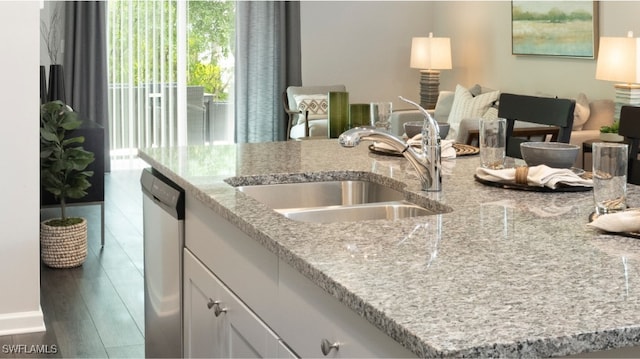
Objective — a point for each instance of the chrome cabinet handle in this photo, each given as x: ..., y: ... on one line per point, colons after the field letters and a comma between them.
x: 326, y: 346
x: 218, y: 309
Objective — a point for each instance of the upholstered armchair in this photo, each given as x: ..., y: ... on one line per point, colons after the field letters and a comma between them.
x: 307, y: 109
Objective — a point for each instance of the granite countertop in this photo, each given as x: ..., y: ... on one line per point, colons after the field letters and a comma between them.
x: 499, y: 273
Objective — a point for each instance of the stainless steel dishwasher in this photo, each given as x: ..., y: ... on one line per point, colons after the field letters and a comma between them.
x: 163, y: 221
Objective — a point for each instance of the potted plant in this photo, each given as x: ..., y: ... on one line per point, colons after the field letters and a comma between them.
x: 63, y: 163
x: 610, y: 133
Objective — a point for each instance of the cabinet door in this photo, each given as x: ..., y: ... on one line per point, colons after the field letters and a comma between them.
x: 284, y: 352
x: 203, y: 331
x: 217, y: 323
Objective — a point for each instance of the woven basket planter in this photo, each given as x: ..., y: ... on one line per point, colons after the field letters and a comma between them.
x: 63, y: 247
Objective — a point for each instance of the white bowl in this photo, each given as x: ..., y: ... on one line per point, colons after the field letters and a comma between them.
x: 415, y: 127
x: 552, y: 154
x: 611, y: 137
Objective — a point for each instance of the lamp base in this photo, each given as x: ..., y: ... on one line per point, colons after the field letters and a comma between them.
x: 626, y: 94
x: 429, y: 88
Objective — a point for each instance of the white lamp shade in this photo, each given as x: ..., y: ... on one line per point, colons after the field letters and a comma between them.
x: 618, y: 60
x: 431, y: 53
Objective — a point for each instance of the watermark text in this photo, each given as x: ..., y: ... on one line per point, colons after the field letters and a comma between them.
x: 29, y: 348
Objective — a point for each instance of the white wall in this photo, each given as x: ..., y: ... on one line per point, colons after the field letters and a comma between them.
x: 366, y: 46
x: 19, y: 155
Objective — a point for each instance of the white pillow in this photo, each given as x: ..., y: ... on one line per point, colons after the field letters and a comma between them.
x: 317, y: 106
x: 581, y: 113
x: 467, y: 106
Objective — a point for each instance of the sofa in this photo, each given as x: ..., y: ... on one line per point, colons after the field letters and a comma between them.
x: 459, y: 108
x: 481, y: 102
x: 590, y: 116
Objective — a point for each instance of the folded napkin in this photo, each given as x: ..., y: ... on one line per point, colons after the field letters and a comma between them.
x: 625, y: 221
x: 539, y: 176
x: 447, y: 151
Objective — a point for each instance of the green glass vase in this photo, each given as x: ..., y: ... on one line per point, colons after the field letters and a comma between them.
x: 360, y: 115
x: 338, y: 113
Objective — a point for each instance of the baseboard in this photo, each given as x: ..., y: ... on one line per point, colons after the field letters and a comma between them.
x: 22, y: 323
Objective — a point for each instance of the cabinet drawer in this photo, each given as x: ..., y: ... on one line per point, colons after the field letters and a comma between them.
x: 309, y: 315
x: 239, y: 261
x: 217, y: 323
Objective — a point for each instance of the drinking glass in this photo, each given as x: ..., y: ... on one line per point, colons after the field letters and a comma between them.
x: 493, y: 142
x: 381, y: 114
x: 360, y: 115
x: 610, y: 176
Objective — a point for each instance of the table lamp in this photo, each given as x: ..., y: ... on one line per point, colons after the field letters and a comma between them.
x: 618, y: 60
x: 430, y: 54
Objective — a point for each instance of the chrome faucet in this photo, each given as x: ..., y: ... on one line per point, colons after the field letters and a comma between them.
x: 427, y: 162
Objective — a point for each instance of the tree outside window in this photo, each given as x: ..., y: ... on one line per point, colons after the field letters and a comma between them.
x: 143, y: 57
x: 211, y: 34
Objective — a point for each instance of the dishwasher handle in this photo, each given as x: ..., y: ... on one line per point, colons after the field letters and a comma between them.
x: 164, y: 192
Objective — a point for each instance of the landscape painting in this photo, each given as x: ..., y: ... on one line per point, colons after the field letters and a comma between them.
x: 554, y: 28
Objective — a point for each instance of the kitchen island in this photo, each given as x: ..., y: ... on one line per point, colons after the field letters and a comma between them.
x: 497, y: 272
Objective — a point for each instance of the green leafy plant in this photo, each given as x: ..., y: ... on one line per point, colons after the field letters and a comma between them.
x: 610, y: 129
x: 62, y: 160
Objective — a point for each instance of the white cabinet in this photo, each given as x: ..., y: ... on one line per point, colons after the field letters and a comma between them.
x: 243, y: 264
x: 311, y: 318
x: 217, y: 324
x: 265, y: 307
x: 203, y: 331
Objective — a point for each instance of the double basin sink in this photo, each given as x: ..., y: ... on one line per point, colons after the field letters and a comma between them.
x: 335, y: 201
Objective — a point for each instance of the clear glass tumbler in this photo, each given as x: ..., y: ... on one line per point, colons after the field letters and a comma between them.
x: 381, y: 114
x: 610, y: 176
x: 493, y: 142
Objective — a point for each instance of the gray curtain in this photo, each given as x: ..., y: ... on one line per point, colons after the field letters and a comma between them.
x: 85, y: 63
x: 267, y: 61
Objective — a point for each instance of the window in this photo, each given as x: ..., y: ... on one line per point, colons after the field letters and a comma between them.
x: 170, y: 73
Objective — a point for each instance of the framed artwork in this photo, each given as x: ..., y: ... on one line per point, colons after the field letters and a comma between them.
x: 554, y: 28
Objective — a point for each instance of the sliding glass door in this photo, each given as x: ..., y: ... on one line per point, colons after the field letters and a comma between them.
x: 170, y: 73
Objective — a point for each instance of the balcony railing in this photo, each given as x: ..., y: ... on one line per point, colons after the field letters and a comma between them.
x: 146, y: 116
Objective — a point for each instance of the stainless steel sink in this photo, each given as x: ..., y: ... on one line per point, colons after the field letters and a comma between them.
x: 335, y: 201
x: 384, y: 210
x: 320, y: 194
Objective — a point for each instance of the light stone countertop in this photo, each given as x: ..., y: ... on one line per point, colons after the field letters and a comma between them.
x: 499, y: 273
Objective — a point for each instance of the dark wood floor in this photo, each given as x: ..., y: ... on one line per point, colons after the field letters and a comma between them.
x: 96, y: 310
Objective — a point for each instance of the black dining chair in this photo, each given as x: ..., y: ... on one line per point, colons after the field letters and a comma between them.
x: 630, y: 129
x: 555, y: 112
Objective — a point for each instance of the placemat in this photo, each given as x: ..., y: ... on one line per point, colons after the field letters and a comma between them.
x: 461, y: 150
x: 465, y: 150
x: 524, y: 187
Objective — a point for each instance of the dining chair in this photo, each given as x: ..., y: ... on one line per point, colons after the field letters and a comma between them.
x: 630, y: 129
x: 555, y: 113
